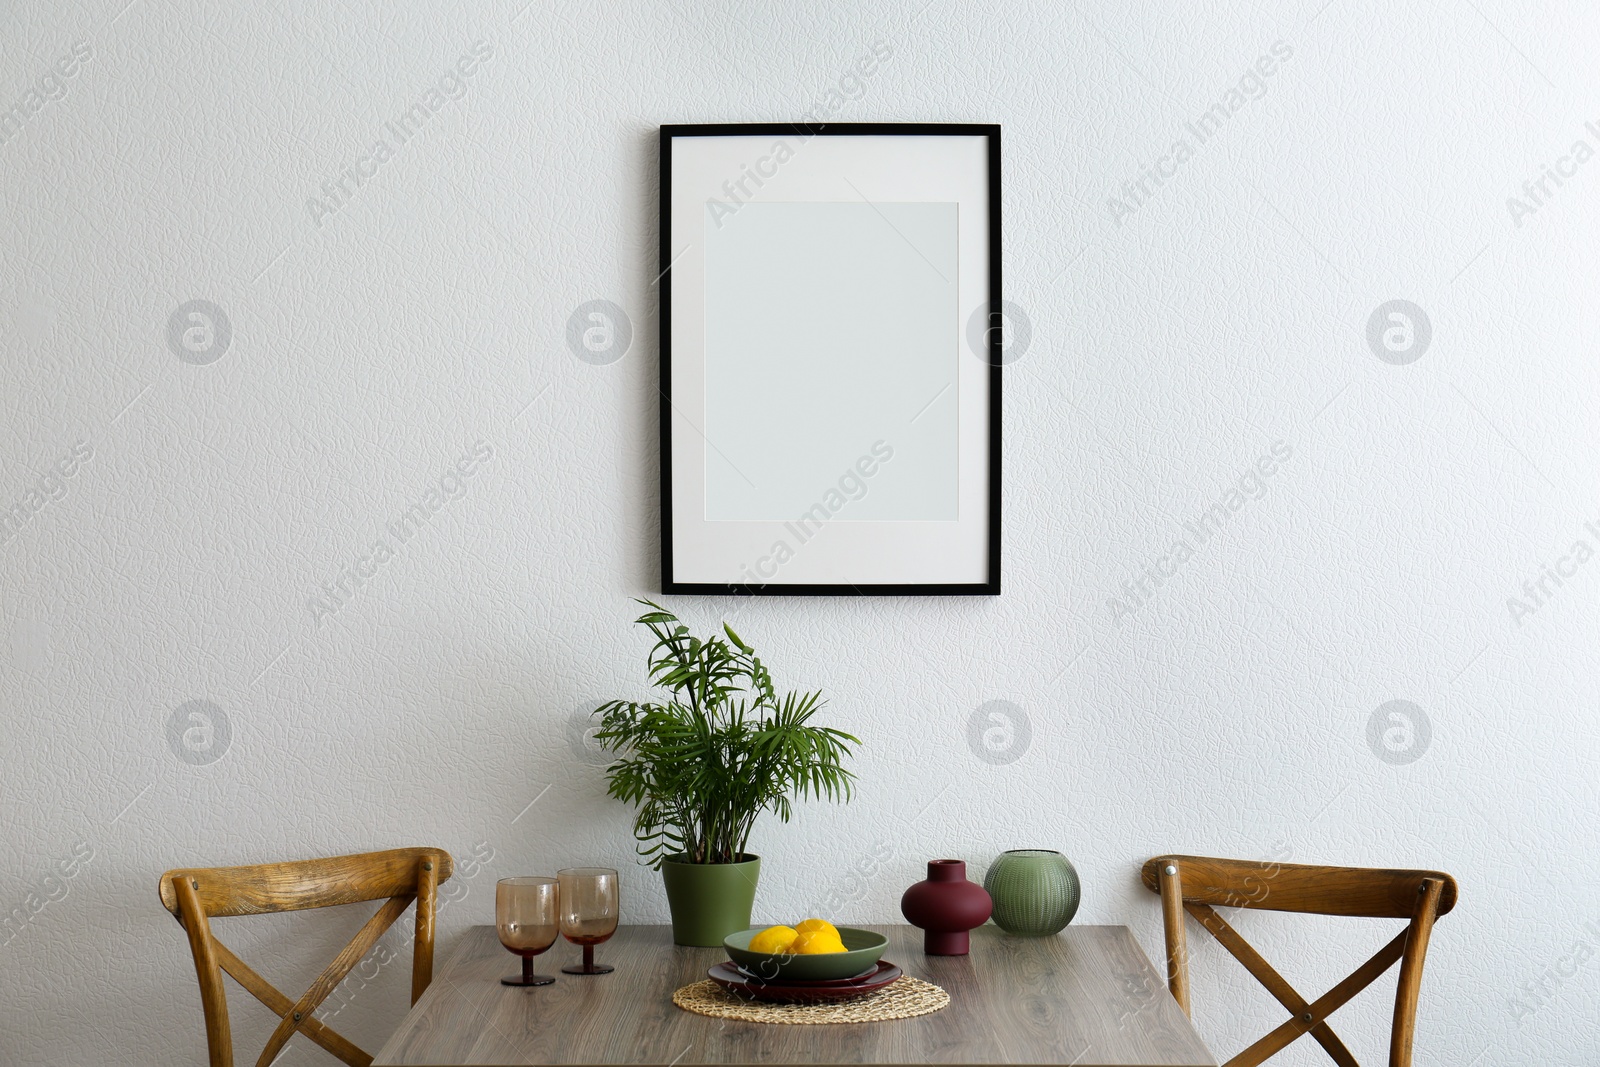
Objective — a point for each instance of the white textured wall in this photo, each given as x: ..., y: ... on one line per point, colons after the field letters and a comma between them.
x: 377, y: 338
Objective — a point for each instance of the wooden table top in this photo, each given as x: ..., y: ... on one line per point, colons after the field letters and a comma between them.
x: 1088, y: 997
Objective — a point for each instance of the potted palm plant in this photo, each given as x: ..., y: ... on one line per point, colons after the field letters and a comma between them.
x: 700, y: 766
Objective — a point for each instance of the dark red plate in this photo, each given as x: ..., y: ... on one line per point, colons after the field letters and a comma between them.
x: 752, y: 976
x: 735, y: 981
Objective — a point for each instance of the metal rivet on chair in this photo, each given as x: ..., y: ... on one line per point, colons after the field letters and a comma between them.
x: 1307, y: 1016
x: 1171, y: 869
x: 194, y: 883
x: 427, y: 865
x: 296, y: 1016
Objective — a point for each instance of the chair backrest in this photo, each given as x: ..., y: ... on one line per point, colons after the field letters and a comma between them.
x: 197, y: 895
x: 1197, y: 885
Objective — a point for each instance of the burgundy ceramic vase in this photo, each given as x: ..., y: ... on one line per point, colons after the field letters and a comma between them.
x: 946, y: 906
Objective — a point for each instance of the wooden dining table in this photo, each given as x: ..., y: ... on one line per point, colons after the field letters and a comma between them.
x: 1088, y: 997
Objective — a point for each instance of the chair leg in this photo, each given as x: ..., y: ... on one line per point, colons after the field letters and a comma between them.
x: 1410, y: 985
x: 1172, y: 927
x: 213, y: 998
x: 422, y: 947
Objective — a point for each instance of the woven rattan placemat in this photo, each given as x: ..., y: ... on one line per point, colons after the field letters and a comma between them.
x: 904, y: 998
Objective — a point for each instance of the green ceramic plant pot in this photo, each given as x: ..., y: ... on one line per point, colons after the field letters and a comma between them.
x: 1035, y: 891
x: 709, y: 901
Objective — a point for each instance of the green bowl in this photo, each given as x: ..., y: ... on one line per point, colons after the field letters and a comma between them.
x: 862, y: 949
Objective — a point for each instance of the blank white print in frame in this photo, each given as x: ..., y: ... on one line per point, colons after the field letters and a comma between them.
x: 831, y: 327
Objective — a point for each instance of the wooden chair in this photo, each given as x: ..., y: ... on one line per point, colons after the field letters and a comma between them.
x: 1195, y: 884
x: 196, y: 896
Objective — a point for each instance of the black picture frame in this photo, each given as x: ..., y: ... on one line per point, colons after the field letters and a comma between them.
x: 990, y: 586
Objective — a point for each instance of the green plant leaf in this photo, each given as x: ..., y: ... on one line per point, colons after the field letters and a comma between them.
x: 700, y: 768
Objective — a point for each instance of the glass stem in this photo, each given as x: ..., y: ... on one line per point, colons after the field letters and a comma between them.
x: 588, y: 957
x: 527, y: 968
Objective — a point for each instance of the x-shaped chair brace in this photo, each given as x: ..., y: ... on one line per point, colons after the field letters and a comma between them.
x: 1308, y: 1017
x: 295, y: 1016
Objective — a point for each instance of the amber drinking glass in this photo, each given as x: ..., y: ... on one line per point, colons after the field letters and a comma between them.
x: 525, y: 916
x: 589, y: 908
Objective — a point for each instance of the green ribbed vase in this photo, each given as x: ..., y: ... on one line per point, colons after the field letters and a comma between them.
x: 1035, y: 891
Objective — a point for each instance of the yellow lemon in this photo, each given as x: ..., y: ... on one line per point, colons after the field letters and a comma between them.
x: 816, y: 924
x: 816, y: 942
x: 773, y: 939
